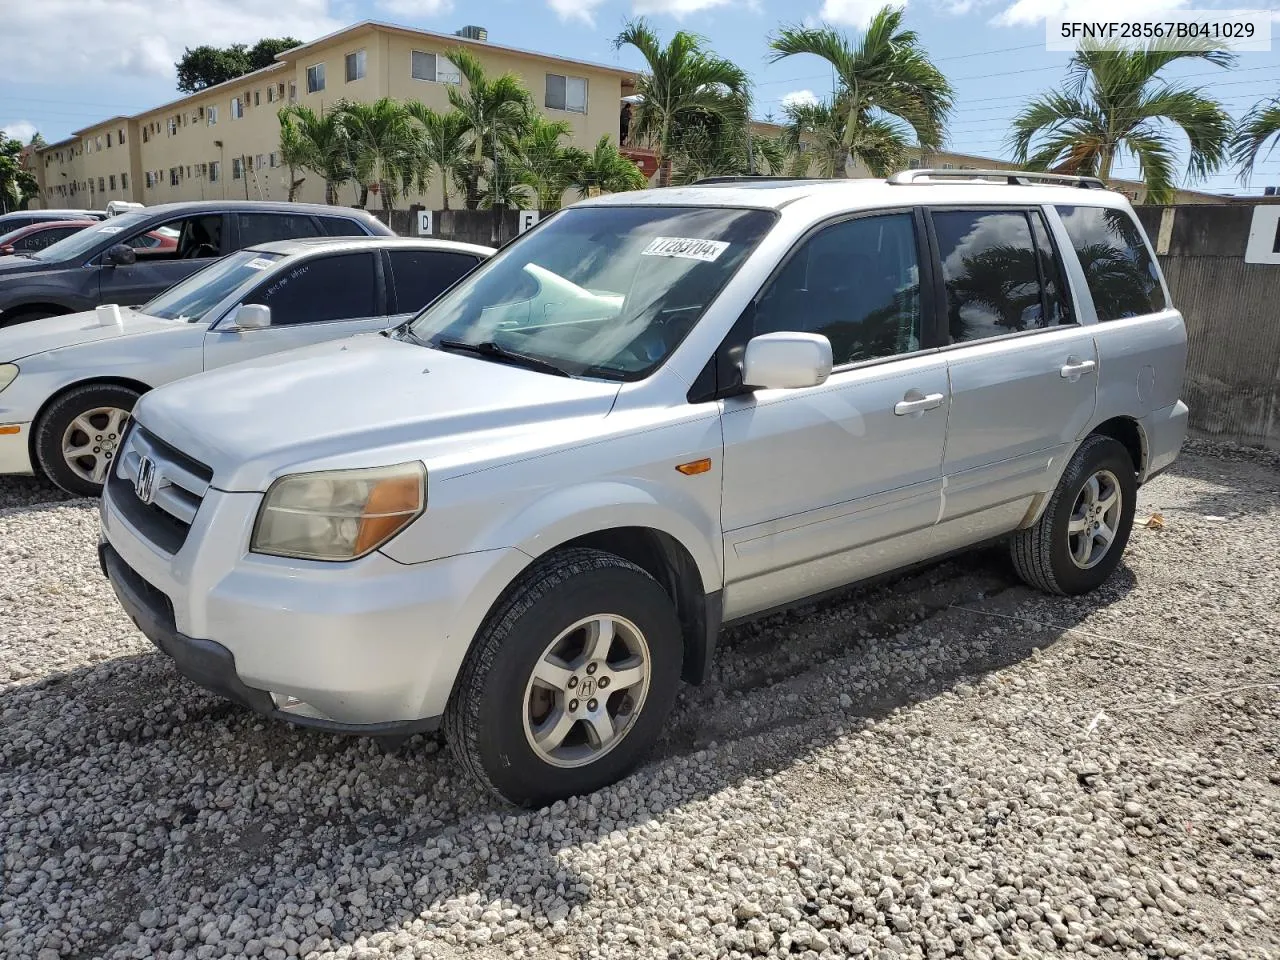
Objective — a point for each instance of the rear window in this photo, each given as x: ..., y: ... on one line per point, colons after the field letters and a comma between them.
x: 342, y: 227
x: 1120, y: 273
x: 422, y: 275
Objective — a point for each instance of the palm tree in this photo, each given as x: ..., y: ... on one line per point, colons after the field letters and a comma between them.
x: 682, y: 83
x: 384, y: 143
x: 606, y: 170
x: 547, y: 167
x: 325, y: 149
x: 293, y: 149
x: 443, y: 147
x: 1115, y: 103
x: 1260, y: 125
x: 496, y: 112
x: 886, y: 89
x: 878, y: 143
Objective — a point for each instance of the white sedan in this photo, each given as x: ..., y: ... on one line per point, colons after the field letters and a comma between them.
x: 69, y: 383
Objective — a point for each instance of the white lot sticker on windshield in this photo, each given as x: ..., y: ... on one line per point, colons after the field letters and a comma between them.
x: 685, y: 247
x: 258, y: 263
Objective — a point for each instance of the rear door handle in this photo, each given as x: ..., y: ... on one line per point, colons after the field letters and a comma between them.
x: 1075, y: 369
x: 917, y: 404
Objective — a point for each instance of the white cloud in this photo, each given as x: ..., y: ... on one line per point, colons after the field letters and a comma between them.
x: 22, y: 130
x: 798, y: 98
x: 1025, y: 12
x: 853, y: 13
x: 415, y: 8
x: 677, y: 8
x: 584, y: 10
x: 61, y: 40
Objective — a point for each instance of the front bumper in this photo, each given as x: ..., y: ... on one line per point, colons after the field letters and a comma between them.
x: 368, y: 646
x: 15, y: 449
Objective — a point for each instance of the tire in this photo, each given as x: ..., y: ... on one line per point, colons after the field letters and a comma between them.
x: 497, y: 708
x: 12, y: 319
x: 56, y: 426
x: 1048, y: 555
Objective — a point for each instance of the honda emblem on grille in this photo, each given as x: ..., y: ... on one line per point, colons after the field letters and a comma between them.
x: 144, y: 485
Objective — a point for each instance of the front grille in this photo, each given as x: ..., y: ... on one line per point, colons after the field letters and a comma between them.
x: 178, y: 489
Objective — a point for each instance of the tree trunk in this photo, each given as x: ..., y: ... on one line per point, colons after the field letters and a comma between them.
x: 384, y: 191
x: 364, y: 195
x: 664, y: 174
x: 330, y: 193
x: 1104, y: 165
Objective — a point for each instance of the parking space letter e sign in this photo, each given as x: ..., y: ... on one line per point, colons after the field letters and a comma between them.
x: 527, y: 219
x: 1264, y: 235
x: 424, y: 223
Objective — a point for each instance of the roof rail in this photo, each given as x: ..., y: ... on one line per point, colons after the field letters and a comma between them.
x: 748, y: 178
x: 1013, y: 177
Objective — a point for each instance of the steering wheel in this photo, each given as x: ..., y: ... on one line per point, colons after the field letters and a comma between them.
x: 201, y: 250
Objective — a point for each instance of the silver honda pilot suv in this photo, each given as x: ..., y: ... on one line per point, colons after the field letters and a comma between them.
x: 525, y: 514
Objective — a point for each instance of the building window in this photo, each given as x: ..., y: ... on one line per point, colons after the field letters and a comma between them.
x: 237, y: 168
x: 108, y: 141
x: 271, y: 94
x: 433, y: 67
x: 124, y: 181
x: 215, y: 171
x: 173, y: 176
x: 146, y: 134
x: 111, y: 181
x: 120, y: 135
x: 315, y: 78
x: 237, y: 108
x: 102, y: 185
x: 274, y: 159
x: 293, y: 91
x: 173, y: 126
x: 566, y: 93
x: 259, y: 162
x: 211, y: 116
x: 355, y: 66
x: 188, y: 173
x: 97, y: 143
x: 150, y: 180
x: 256, y: 101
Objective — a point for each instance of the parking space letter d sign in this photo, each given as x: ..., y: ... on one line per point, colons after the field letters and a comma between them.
x: 527, y: 219
x: 424, y: 223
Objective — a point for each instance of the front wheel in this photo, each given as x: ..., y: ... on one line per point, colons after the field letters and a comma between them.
x: 78, y: 437
x: 569, y: 681
x: 1078, y: 540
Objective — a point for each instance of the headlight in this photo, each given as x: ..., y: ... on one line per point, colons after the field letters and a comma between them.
x: 339, y: 514
x: 8, y: 374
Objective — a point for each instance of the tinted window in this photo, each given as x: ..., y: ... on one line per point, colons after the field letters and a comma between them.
x: 323, y: 288
x: 1117, y: 267
x: 13, y: 223
x: 191, y: 298
x: 114, y: 230
x: 256, y: 228
x: 989, y: 268
x: 342, y: 227
x: 422, y: 275
x: 1055, y: 285
x: 44, y: 238
x: 857, y: 283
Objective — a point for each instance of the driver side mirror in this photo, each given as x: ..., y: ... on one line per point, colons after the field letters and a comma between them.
x: 252, y: 316
x: 786, y: 361
x: 120, y: 255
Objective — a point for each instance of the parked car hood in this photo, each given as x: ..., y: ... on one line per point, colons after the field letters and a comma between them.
x: 362, y: 401
x: 73, y: 329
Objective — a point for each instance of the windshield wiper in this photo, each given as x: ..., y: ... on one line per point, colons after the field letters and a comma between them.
x: 495, y: 351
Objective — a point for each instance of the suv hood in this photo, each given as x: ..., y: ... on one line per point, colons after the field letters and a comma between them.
x: 364, y: 401
x: 14, y: 264
x: 54, y: 333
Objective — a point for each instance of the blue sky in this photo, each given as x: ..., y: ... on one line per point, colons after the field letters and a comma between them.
x: 67, y: 63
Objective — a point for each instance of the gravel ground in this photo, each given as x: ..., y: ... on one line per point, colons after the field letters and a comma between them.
x: 949, y: 765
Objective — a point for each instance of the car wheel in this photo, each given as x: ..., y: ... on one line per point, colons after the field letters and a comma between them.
x: 1079, y: 539
x: 13, y: 318
x: 77, y: 438
x: 569, y: 681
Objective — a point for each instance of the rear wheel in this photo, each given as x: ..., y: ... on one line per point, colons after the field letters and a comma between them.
x: 569, y: 681
x: 78, y: 437
x: 1078, y: 540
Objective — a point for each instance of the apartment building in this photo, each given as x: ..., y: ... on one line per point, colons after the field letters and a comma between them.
x: 223, y: 142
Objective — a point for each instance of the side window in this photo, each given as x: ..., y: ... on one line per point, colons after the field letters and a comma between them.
x: 857, y: 283
x: 989, y: 269
x: 1056, y: 298
x: 1119, y: 271
x: 256, y: 228
x: 195, y: 238
x: 342, y: 227
x: 422, y: 275
x: 45, y: 238
x: 320, y: 289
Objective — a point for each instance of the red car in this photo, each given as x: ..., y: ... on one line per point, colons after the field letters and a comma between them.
x: 37, y: 236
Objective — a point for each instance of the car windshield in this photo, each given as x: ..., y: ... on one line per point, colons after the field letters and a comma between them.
x: 193, y: 297
x: 80, y: 243
x: 599, y: 291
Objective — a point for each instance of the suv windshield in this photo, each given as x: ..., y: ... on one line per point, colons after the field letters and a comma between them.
x: 84, y: 241
x: 194, y: 296
x: 602, y: 291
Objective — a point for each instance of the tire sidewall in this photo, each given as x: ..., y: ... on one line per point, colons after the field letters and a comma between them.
x: 54, y: 422
x: 1100, y: 453
x: 510, y: 763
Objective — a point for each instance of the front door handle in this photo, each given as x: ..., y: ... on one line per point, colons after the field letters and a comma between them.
x: 914, y: 402
x: 1074, y: 369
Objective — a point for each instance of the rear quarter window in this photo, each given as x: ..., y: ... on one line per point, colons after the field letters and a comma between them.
x: 1120, y: 272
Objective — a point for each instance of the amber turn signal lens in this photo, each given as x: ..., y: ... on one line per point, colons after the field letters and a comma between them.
x: 8, y: 431
x: 392, y: 503
x: 694, y: 467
